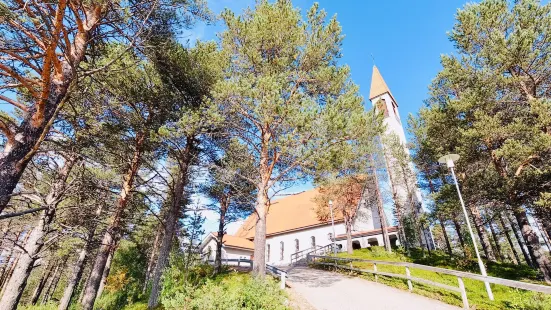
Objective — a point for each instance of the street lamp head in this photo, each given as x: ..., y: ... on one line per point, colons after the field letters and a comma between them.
x: 448, y: 159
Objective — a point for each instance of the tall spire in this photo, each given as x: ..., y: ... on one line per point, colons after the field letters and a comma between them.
x: 378, y: 85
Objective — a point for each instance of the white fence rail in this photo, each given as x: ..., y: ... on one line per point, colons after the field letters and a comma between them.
x: 274, y: 271
x: 339, y: 262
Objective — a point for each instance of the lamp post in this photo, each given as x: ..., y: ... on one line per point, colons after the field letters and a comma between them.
x: 449, y: 161
x: 333, y: 226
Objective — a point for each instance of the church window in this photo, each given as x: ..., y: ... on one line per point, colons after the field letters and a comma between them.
x: 297, y: 248
x: 282, y: 249
x: 330, y: 236
x: 268, y: 252
x: 313, y: 242
x: 209, y: 252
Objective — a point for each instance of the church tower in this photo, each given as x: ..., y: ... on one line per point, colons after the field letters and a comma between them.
x: 384, y: 102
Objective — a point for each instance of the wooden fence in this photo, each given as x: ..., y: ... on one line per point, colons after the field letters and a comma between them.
x: 339, y: 262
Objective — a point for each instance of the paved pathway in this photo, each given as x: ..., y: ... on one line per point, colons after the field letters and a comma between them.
x: 333, y: 291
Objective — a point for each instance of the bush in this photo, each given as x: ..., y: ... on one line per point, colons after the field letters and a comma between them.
x: 234, y: 291
x: 48, y: 306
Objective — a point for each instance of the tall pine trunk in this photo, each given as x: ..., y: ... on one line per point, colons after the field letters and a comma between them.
x: 509, y: 240
x: 459, y: 234
x: 521, y: 244
x: 15, y: 260
x: 35, y: 242
x: 482, y: 234
x: 185, y: 159
x: 261, y: 208
x: 380, y: 210
x: 220, y: 237
x: 112, y: 233
x: 495, y: 236
x: 18, y: 152
x: 78, y: 268
x: 106, y: 272
x: 445, y: 234
x: 348, y: 226
x: 54, y: 281
x: 541, y: 260
x: 259, y: 256
x: 153, y: 257
x: 41, y: 283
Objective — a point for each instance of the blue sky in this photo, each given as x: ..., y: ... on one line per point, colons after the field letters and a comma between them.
x: 406, y: 39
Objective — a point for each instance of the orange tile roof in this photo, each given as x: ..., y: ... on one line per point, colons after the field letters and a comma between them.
x: 235, y: 241
x: 287, y: 214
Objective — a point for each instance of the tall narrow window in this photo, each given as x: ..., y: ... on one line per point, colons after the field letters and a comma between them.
x: 297, y: 248
x: 282, y: 249
x: 268, y: 252
x: 313, y: 242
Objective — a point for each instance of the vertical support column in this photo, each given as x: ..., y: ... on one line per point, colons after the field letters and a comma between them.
x: 239, y: 262
x: 282, y: 284
x: 408, y: 275
x: 463, y: 293
x: 375, y: 270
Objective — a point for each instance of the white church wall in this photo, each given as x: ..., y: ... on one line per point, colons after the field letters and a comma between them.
x: 227, y: 252
x: 304, y: 237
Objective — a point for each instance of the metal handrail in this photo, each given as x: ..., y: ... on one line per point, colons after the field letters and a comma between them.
x: 274, y: 271
x: 304, y: 253
x: 459, y: 274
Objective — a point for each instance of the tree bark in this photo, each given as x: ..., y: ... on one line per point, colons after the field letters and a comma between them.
x: 40, y: 286
x: 78, y: 268
x: 496, y: 241
x: 105, y: 273
x: 348, y: 225
x: 30, y: 132
x: 35, y: 242
x: 259, y: 256
x: 381, y: 212
x: 7, y: 266
x: 533, y: 243
x: 221, y: 229
x: 511, y: 244
x: 153, y: 257
x: 171, y: 219
x: 54, y: 281
x: 482, y: 234
x: 112, y: 233
x: 459, y: 235
x: 445, y: 233
x: 520, y: 241
x: 261, y: 208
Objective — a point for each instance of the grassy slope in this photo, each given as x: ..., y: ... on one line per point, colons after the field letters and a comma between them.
x: 505, y: 297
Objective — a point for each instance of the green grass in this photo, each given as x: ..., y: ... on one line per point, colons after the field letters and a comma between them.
x: 505, y: 297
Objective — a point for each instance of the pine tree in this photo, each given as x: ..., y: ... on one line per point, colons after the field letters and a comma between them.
x: 285, y: 96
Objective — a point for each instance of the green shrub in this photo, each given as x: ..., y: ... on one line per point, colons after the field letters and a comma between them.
x: 48, y: 306
x: 234, y: 291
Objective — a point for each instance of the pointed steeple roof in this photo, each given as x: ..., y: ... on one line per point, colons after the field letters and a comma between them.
x: 378, y: 85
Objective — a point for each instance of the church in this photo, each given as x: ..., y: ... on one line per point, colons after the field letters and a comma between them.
x: 292, y: 225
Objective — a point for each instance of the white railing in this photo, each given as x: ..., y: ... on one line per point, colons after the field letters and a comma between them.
x: 274, y: 271
x: 338, y: 262
x: 316, y: 250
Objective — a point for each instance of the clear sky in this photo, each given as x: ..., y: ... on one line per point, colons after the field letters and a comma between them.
x: 406, y: 39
